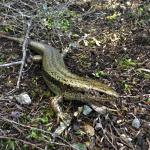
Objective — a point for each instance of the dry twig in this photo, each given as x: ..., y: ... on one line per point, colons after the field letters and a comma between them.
x: 24, y: 46
x: 23, y: 141
x: 11, y: 64
x: 40, y: 130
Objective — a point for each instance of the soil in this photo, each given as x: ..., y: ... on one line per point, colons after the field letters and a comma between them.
x: 121, y: 48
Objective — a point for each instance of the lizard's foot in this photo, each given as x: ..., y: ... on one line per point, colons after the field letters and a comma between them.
x: 64, y: 117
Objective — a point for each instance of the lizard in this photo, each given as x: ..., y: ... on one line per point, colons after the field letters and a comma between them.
x: 62, y: 82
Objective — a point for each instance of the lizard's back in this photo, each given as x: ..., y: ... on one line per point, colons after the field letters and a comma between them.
x: 53, y: 64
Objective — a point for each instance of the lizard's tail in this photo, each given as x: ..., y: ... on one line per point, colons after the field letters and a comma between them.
x: 7, y: 36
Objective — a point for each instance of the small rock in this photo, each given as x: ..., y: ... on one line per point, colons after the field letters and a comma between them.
x: 128, y: 3
x: 136, y: 123
x: 23, y: 98
x: 10, y: 97
x: 86, y: 110
x: 60, y: 129
x: 16, y: 114
x: 126, y: 138
x: 79, y: 146
x: 78, y: 112
x: 101, y: 110
x: 98, y: 124
x: 74, y: 45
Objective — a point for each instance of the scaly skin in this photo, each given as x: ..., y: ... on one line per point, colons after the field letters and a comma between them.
x: 54, y: 66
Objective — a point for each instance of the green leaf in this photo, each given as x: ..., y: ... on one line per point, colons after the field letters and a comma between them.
x: 99, y: 74
x: 127, y: 87
x: 34, y: 134
x: 80, y: 146
x: 43, y: 120
x: 11, y: 144
x: 127, y: 63
x: 113, y: 17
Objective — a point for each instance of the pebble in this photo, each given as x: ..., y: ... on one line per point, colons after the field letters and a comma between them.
x: 136, y: 123
x: 23, y: 98
x: 86, y: 110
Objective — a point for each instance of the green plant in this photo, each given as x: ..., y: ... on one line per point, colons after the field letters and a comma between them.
x: 43, y: 120
x: 113, y: 17
x: 127, y: 87
x: 9, y: 144
x: 57, y: 19
x: 36, y: 135
x: 99, y: 74
x: 127, y: 63
x: 142, y: 15
x: 1, y: 60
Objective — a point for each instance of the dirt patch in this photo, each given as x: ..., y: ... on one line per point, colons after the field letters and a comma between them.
x: 109, y: 42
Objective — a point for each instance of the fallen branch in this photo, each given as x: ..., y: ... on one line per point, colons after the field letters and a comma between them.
x: 11, y: 64
x: 145, y: 70
x: 24, y: 47
x: 8, y: 5
x: 23, y: 141
x: 42, y: 131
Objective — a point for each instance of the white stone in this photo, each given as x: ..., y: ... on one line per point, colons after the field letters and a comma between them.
x: 136, y: 123
x: 23, y: 98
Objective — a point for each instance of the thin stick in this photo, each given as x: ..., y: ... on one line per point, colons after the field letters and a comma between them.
x: 143, y: 69
x: 20, y: 140
x: 16, y: 10
x: 11, y: 64
x: 40, y: 130
x: 24, y: 46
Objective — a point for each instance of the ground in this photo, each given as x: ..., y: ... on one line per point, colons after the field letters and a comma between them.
x: 107, y: 41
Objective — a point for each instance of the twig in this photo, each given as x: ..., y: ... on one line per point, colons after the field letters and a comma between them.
x: 40, y: 130
x: 135, y: 98
x: 105, y: 135
x: 16, y: 10
x: 107, y: 138
x: 24, y: 46
x: 24, y: 126
x: 122, y: 139
x: 11, y: 64
x: 25, y: 142
x: 143, y: 69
